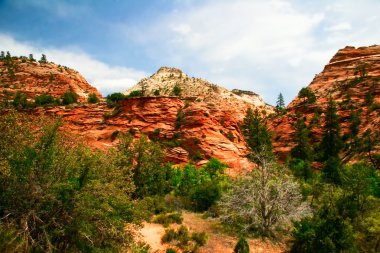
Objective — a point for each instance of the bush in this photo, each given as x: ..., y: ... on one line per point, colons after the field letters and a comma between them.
x: 166, y: 219
x: 199, y: 238
x: 69, y: 98
x: 184, y: 240
x: 177, y: 90
x: 58, y: 197
x: 241, y: 246
x: 44, y: 99
x: 135, y: 93
x: 92, y: 98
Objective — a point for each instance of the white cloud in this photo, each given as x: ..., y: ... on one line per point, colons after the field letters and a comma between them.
x: 339, y: 27
x: 104, y: 77
x: 266, y: 46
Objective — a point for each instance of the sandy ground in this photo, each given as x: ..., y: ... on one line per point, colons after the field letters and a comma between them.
x: 216, y: 243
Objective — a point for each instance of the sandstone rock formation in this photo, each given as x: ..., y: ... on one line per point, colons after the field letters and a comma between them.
x: 352, y: 79
x: 35, y: 78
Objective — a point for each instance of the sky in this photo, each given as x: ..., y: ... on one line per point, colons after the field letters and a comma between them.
x: 265, y: 46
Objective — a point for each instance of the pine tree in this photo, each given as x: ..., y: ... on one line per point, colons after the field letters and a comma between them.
x: 2, y: 55
x: 256, y: 132
x: 331, y: 144
x: 302, y: 149
x: 280, y: 105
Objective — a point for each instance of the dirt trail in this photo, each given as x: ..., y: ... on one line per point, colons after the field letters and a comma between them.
x: 216, y: 243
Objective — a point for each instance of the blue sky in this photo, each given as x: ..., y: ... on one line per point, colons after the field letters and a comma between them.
x: 267, y: 46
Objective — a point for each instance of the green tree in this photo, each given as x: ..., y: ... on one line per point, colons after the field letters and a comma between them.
x: 307, y: 96
x: 331, y: 143
x: 146, y: 160
x: 256, y: 132
x: 92, y: 98
x: 280, y: 104
x: 302, y: 152
x: 56, y: 197
x: 326, y: 232
x: 241, y: 246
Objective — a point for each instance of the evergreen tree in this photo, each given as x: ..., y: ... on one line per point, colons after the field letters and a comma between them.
x: 302, y: 152
x: 307, y: 95
x: 241, y: 246
x: 303, y: 149
x: 2, y: 55
x: 331, y: 140
x: 256, y: 132
x: 331, y: 144
x: 280, y: 105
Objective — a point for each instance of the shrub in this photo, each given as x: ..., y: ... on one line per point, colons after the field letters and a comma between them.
x: 57, y: 197
x: 166, y: 219
x: 177, y: 90
x: 69, y: 98
x: 44, y: 99
x: 135, y: 93
x: 92, y: 98
x: 156, y: 92
x: 199, y: 238
x: 180, y: 120
x: 241, y: 246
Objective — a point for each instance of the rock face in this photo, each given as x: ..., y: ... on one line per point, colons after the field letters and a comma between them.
x: 352, y: 79
x: 34, y: 78
x: 173, y: 82
x: 199, y: 123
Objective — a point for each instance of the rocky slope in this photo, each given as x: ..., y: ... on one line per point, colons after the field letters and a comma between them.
x: 173, y: 82
x: 201, y: 123
x: 35, y: 78
x: 352, y: 79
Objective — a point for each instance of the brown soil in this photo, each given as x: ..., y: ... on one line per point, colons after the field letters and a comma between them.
x: 217, y: 241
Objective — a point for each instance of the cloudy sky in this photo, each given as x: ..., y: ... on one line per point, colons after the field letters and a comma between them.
x: 267, y: 46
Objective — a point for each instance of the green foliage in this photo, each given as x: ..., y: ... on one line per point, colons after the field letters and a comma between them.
x: 302, y: 149
x: 177, y: 90
x: 135, y: 93
x: 115, y: 97
x: 44, y: 99
x: 43, y: 59
x: 200, y: 187
x: 241, y: 246
x: 347, y: 215
x: 180, y: 120
x: 307, y: 96
x: 166, y: 219
x: 150, y: 175
x: 280, y: 104
x: 256, y: 132
x: 58, y: 197
x: 20, y: 100
x: 156, y: 92
x: 92, y: 98
x: 325, y: 232
x: 69, y: 97
x: 184, y: 240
